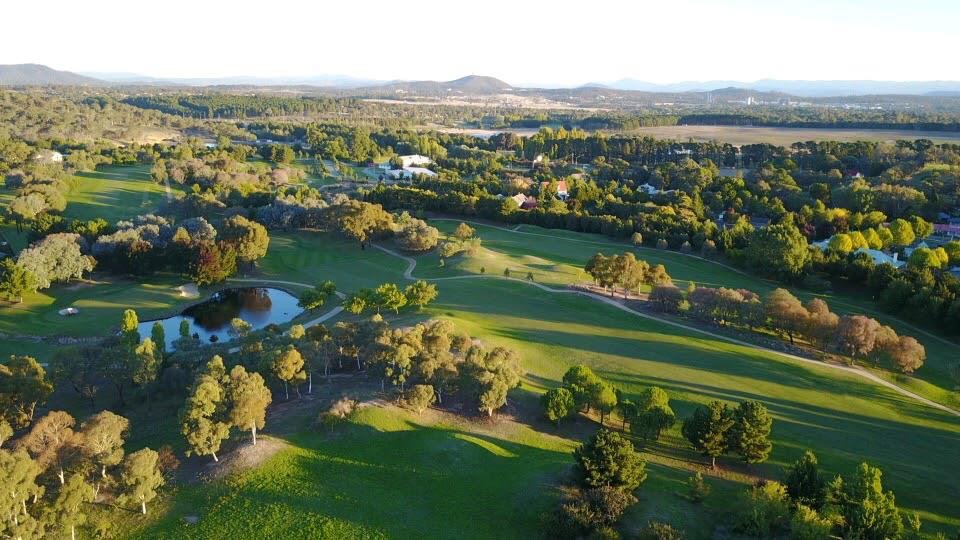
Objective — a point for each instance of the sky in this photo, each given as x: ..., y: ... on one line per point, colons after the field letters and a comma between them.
x: 524, y: 42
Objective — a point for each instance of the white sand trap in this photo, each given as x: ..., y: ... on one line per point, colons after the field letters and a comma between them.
x: 188, y: 290
x: 68, y: 311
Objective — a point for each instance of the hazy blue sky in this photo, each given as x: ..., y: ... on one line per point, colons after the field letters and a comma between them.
x: 558, y: 42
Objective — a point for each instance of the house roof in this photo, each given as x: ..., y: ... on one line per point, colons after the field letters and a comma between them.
x: 880, y: 257
x: 561, y: 185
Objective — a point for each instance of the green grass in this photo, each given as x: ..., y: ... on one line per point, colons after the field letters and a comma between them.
x: 382, y: 476
x: 313, y: 257
x: 390, y: 475
x: 100, y: 306
x: 386, y: 474
x: 114, y: 193
x: 559, y: 262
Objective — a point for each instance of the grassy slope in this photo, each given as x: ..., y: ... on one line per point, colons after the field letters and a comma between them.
x: 113, y: 193
x: 560, y: 262
x: 374, y: 481
x: 387, y: 474
x: 327, y: 482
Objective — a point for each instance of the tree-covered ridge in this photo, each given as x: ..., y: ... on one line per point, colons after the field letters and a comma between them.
x: 230, y: 106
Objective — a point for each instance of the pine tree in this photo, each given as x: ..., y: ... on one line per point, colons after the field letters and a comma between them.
x: 707, y: 430
x: 750, y: 434
x: 805, y: 484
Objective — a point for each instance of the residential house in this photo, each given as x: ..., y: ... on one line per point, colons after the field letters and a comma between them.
x: 561, y: 189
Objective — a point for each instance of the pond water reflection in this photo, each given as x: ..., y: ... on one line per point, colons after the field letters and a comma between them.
x: 259, y: 306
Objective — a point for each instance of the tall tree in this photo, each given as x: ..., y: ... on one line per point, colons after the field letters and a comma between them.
x: 159, y: 337
x: 785, y: 312
x: 750, y: 433
x: 69, y: 504
x: 804, y: 483
x: 780, y: 250
x: 867, y: 510
x: 52, y: 442
x: 15, y: 280
x: 287, y: 366
x: 140, y: 477
x: 420, y: 397
x: 609, y: 459
x: 249, y: 238
x: 359, y: 220
x: 19, y: 472
x: 23, y: 385
x: 202, y: 417
x: 652, y: 414
x: 103, y: 435
x: 420, y: 293
x: 557, y: 404
x: 249, y: 398
x: 579, y: 379
x: 707, y: 430
x: 389, y: 296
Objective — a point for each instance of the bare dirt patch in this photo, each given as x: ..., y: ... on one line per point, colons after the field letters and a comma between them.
x: 242, y: 458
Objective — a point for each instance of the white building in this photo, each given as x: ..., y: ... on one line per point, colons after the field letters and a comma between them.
x: 409, y: 172
x: 415, y: 160
x: 880, y: 257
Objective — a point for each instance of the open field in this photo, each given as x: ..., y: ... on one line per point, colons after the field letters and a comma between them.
x: 739, y: 135
x: 558, y: 263
x: 389, y: 471
x: 361, y: 482
x: 112, y: 193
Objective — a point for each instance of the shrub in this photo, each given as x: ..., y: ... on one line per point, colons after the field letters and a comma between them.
x: 806, y: 524
x: 662, y: 244
x: 697, y: 488
x: 657, y: 530
x: 339, y: 412
x: 763, y: 511
x: 666, y: 298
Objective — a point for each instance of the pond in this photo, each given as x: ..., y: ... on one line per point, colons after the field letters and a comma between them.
x: 259, y: 306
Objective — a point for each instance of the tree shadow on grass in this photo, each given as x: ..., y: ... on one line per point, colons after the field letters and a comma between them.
x: 412, y: 481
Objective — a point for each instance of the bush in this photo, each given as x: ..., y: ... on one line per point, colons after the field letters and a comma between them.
x: 666, y: 298
x: 763, y: 511
x: 339, y: 412
x: 657, y: 530
x: 662, y: 244
x: 806, y: 524
x: 590, y: 513
x: 697, y: 488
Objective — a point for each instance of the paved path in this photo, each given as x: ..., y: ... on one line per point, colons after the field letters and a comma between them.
x: 412, y: 265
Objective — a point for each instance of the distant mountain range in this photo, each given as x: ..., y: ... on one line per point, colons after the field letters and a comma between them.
x: 38, y: 75
x: 337, y: 81
x: 35, y: 74
x: 471, y: 84
x: 797, y: 88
